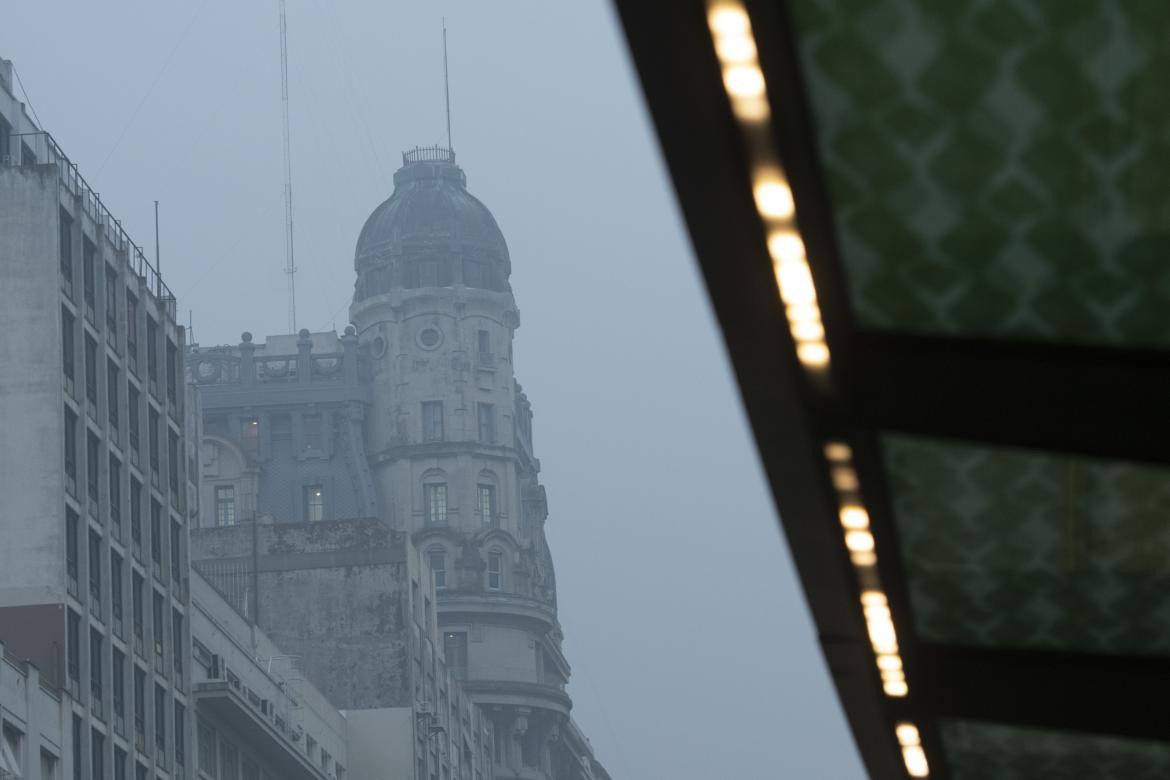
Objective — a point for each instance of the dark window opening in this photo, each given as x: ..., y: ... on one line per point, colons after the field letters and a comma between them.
x: 435, y: 503
x: 314, y: 504
x: 432, y: 418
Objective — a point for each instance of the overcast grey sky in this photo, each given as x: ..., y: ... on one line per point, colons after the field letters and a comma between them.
x: 692, y: 649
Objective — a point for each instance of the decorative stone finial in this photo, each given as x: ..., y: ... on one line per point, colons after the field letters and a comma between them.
x: 350, y: 330
x: 246, y: 337
x: 304, y: 333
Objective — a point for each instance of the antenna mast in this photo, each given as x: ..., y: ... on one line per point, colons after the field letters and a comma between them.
x: 290, y: 267
x: 447, y: 86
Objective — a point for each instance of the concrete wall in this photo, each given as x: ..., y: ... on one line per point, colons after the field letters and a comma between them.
x: 32, y: 556
x: 381, y: 743
x: 335, y: 593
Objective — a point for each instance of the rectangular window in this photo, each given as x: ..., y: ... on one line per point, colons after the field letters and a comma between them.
x: 485, y: 342
x: 439, y: 568
x: 67, y: 351
x: 95, y: 567
x: 158, y: 615
x: 225, y: 505
x: 487, y: 422
x: 131, y: 331
x: 250, y: 435
x: 486, y: 504
x: 495, y: 570
x: 455, y: 651
x: 140, y: 707
x: 77, y: 748
x: 173, y: 373
x: 229, y: 761
x: 118, y: 683
x: 48, y: 766
x: 314, y: 504
x: 435, y: 503
x: 139, y: 619
x: 176, y: 539
x: 91, y: 370
x: 112, y: 393
x: 116, y: 585
x: 119, y: 763
x: 152, y: 432
x: 70, y: 450
x: 88, y: 250
x: 65, y: 236
x: 116, y: 493
x: 111, y: 304
x: 173, y: 462
x: 132, y: 412
x: 136, y: 512
x: 312, y: 423
x: 180, y: 742
x: 97, y: 744
x: 71, y: 548
x: 177, y: 645
x: 92, y: 451
x: 95, y: 666
x: 207, y: 754
x: 152, y: 354
x: 432, y: 416
x: 160, y: 719
x: 156, y: 533
x: 73, y: 640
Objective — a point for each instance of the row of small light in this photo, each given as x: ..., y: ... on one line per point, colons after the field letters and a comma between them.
x: 859, y: 541
x: 743, y: 80
x: 879, y: 623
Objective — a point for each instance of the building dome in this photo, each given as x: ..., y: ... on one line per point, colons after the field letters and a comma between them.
x: 431, y: 232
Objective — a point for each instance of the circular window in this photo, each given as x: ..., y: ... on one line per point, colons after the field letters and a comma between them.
x: 378, y: 347
x: 429, y: 338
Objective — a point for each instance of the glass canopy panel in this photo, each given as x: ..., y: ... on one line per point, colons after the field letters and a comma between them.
x: 986, y: 751
x: 997, y: 167
x: 1024, y: 549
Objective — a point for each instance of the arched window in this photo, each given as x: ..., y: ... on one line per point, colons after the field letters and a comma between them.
x: 437, y: 558
x: 495, y: 570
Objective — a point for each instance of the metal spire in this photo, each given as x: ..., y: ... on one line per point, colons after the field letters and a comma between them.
x: 447, y: 85
x: 290, y: 267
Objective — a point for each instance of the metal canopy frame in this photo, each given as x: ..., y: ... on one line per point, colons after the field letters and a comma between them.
x: 1091, y: 400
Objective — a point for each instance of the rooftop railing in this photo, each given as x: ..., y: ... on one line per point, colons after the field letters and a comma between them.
x: 434, y: 153
x: 39, y: 148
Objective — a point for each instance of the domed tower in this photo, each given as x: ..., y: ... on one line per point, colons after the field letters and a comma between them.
x: 450, y: 447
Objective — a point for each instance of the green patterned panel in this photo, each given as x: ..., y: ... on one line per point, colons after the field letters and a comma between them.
x: 1011, y: 548
x: 984, y: 751
x: 997, y: 168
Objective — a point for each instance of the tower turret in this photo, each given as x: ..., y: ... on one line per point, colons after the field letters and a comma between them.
x: 449, y: 439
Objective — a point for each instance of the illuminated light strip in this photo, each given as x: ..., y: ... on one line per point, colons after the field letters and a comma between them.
x: 858, y: 538
x: 912, y: 753
x: 743, y: 80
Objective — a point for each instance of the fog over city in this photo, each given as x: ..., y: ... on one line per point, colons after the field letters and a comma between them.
x: 692, y: 652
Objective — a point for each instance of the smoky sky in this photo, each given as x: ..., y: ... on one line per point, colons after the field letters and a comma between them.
x: 692, y: 650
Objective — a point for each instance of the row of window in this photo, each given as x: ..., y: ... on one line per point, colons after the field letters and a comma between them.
x: 313, y: 501
x: 134, y: 405
x: 121, y: 759
x: 495, y: 568
x: 432, y: 421
x: 174, y: 369
x: 435, y: 504
x: 161, y: 532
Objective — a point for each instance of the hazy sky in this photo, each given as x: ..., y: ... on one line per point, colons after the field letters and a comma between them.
x: 692, y: 650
